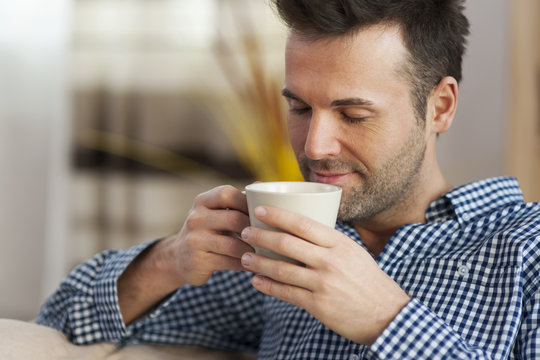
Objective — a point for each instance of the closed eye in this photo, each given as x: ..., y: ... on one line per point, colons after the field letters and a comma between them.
x: 296, y: 104
x: 352, y: 120
x: 300, y: 110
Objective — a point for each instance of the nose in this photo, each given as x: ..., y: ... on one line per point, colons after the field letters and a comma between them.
x: 323, y: 137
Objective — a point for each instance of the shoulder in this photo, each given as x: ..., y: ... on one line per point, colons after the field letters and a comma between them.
x: 520, y: 221
x: 522, y: 231
x: 505, y: 236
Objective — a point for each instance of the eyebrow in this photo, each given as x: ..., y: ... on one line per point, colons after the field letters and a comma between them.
x: 289, y: 94
x: 354, y: 101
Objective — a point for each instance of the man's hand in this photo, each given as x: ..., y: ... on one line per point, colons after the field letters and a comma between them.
x: 208, y: 241
x: 341, y: 284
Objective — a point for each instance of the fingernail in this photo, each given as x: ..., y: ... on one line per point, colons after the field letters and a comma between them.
x: 257, y: 280
x: 247, y: 258
x: 260, y: 211
x: 245, y: 233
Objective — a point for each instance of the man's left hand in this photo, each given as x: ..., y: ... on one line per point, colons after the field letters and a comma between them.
x: 341, y: 285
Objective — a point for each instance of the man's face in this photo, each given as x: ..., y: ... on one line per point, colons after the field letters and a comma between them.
x: 351, y: 119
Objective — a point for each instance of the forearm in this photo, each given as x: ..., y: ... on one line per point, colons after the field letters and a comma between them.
x: 205, y: 243
x: 146, y: 282
x: 104, y: 294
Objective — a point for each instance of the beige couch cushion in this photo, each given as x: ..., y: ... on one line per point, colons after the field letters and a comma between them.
x: 22, y: 340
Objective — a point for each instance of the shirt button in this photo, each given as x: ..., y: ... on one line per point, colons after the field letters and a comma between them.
x: 463, y: 270
x: 354, y: 357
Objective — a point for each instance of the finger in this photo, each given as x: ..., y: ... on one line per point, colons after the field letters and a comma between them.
x: 283, y: 244
x: 226, y: 245
x: 297, y: 224
x: 211, y: 262
x: 291, y: 294
x: 217, y: 220
x: 198, y: 267
x: 223, y: 262
x: 223, y: 197
x: 281, y: 271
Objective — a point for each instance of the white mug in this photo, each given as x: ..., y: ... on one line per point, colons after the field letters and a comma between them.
x: 317, y: 201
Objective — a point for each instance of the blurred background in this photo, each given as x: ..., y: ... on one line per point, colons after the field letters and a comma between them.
x: 114, y: 114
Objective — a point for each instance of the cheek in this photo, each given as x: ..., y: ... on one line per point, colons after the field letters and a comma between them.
x: 298, y: 134
x: 370, y: 145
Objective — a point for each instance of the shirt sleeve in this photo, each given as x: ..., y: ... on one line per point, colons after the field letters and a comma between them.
x: 528, y: 342
x: 418, y: 333
x: 225, y: 313
x: 85, y: 305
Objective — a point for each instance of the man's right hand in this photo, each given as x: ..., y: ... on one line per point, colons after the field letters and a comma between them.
x: 208, y: 241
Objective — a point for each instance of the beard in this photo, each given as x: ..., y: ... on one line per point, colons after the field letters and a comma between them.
x: 388, y: 186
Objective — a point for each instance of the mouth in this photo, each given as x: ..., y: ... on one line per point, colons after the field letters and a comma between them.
x: 330, y: 178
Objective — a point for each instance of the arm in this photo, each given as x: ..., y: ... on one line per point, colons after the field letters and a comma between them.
x: 416, y: 332
x: 340, y: 278
x: 343, y: 287
x: 86, y: 307
x: 205, y: 244
x: 87, y: 297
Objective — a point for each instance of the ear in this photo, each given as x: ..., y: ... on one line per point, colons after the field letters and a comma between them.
x: 442, y: 105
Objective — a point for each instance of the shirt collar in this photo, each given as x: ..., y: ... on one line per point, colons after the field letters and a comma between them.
x: 471, y: 201
x: 457, y: 208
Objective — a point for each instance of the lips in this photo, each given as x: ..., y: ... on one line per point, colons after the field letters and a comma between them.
x: 330, y: 178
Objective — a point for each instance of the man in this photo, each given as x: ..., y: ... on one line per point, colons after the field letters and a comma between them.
x: 414, y: 269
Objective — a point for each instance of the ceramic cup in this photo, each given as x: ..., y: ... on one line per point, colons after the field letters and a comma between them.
x: 317, y: 201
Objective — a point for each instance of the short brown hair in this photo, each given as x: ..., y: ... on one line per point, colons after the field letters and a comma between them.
x: 434, y: 32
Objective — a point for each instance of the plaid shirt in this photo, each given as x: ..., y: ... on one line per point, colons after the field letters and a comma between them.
x: 472, y: 270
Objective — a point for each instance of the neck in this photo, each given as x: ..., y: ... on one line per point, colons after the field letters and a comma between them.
x: 377, y: 230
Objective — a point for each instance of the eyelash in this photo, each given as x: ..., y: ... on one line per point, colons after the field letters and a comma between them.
x: 299, y: 111
x: 350, y: 120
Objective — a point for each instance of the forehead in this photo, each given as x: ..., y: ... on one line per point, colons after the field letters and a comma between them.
x: 376, y: 53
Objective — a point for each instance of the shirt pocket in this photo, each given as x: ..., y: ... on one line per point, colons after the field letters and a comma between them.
x: 480, y: 301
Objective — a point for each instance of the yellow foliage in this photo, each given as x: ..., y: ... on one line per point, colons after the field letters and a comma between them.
x: 254, y: 119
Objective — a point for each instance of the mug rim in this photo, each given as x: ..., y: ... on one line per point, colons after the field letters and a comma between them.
x: 319, y: 187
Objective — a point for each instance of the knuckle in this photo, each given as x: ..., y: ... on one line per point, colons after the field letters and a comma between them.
x: 234, y: 219
x: 280, y: 272
x: 304, y: 225
x: 255, y: 236
x: 271, y: 287
x: 325, y: 287
x: 190, y: 240
x: 285, y: 292
x: 225, y: 193
x: 228, y: 245
x: 282, y: 243
x: 324, y: 262
x: 192, y: 221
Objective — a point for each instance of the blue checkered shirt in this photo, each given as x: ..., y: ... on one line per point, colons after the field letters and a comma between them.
x: 472, y: 270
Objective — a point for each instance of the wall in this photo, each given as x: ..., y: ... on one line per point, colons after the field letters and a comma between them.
x: 523, y: 157
x: 33, y: 156
x: 474, y: 147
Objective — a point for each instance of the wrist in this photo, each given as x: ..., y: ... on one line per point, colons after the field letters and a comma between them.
x: 162, y: 265
x: 388, y: 314
x: 145, y: 282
